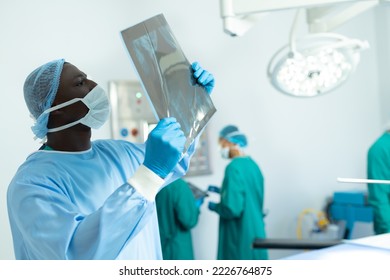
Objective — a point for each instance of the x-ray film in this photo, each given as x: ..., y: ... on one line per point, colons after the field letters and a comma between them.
x: 166, y: 76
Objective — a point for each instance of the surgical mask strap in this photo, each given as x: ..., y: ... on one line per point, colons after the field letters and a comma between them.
x: 65, y: 126
x: 59, y: 106
x: 98, y: 104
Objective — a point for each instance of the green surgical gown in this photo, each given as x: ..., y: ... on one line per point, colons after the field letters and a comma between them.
x: 177, y: 214
x: 241, y: 211
x: 378, y: 167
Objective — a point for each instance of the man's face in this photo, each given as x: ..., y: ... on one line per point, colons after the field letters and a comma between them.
x: 224, y: 143
x: 73, y: 84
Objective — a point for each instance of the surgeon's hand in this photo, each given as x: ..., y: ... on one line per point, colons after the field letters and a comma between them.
x: 214, y: 189
x: 164, y: 147
x: 199, y: 202
x: 203, y: 77
x: 212, y: 206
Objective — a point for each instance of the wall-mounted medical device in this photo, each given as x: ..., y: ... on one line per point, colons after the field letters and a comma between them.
x: 132, y: 118
x: 131, y: 115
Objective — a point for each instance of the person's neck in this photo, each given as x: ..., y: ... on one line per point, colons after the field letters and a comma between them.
x: 69, y: 142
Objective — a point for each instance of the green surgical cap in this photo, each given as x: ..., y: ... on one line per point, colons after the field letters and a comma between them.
x: 233, y: 135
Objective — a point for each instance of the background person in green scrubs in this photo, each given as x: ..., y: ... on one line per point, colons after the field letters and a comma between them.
x: 241, y: 204
x: 177, y: 212
x: 378, y: 167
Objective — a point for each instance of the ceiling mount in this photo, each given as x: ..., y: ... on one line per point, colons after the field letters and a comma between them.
x: 238, y: 16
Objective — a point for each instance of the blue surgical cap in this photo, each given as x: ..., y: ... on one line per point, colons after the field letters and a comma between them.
x: 233, y: 135
x: 40, y: 89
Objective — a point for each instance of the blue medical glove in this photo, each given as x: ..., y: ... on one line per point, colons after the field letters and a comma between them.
x: 212, y: 206
x: 199, y: 202
x: 214, y: 189
x: 203, y: 77
x: 164, y: 147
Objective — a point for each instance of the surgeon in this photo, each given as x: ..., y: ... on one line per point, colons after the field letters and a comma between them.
x: 80, y: 199
x: 240, y: 208
x: 378, y: 168
x: 177, y: 212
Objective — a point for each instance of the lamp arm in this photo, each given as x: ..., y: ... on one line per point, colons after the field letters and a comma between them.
x: 294, y: 30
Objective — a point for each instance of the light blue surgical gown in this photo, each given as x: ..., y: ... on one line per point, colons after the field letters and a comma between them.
x: 78, y: 205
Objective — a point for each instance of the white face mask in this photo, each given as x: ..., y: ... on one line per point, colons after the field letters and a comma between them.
x: 99, y: 109
x: 225, y: 152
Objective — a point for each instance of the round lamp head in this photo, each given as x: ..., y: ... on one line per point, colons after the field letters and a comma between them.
x: 320, y: 63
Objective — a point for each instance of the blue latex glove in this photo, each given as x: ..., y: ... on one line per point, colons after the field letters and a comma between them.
x: 214, y: 189
x: 212, y: 206
x: 164, y: 147
x: 199, y: 202
x: 203, y: 77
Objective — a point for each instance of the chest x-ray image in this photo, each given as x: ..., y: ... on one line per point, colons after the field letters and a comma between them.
x: 166, y: 76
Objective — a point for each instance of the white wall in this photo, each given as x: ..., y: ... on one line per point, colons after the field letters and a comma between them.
x: 302, y: 145
x: 383, y: 47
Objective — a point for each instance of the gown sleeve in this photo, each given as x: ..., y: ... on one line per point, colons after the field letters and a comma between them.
x: 51, y: 221
x: 53, y: 227
x: 185, y: 207
x: 232, y: 195
x: 47, y: 224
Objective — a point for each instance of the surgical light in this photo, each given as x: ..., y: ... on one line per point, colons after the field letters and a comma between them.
x: 314, y: 65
